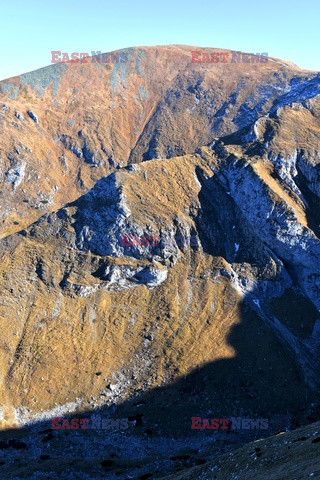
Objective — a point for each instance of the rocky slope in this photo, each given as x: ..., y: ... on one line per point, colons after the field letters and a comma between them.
x: 292, y: 455
x: 220, y: 163
x: 81, y: 121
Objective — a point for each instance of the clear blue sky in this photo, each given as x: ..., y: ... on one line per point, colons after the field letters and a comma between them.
x: 30, y: 29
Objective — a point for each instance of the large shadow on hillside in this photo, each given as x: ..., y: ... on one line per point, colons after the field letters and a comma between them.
x: 262, y: 380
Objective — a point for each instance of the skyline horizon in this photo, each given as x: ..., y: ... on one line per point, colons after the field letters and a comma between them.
x: 31, y: 30
x: 91, y: 52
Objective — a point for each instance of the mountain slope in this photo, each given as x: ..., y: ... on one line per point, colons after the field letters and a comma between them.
x: 293, y: 455
x: 85, y: 119
x: 221, y: 308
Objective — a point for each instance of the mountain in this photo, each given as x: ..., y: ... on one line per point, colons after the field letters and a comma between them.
x: 160, y: 251
x: 88, y: 118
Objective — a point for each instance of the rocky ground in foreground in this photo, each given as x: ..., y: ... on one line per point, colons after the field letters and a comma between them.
x: 46, y: 454
x: 293, y: 456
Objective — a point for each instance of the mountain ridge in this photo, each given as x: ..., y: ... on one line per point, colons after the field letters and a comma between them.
x: 230, y: 323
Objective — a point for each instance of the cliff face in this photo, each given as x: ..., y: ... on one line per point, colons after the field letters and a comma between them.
x: 221, y: 164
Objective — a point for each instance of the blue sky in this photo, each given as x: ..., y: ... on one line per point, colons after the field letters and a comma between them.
x: 31, y: 29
